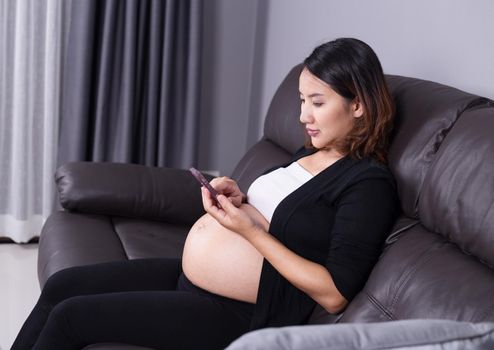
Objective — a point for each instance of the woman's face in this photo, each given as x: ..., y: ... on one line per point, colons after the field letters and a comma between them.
x: 326, y: 115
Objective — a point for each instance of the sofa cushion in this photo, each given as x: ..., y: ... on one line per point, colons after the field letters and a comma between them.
x: 130, y: 190
x: 150, y: 239
x: 70, y: 239
x: 74, y: 239
x: 409, y: 334
x: 457, y: 197
x: 423, y: 275
x: 425, y: 112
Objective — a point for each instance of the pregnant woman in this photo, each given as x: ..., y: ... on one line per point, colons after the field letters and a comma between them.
x: 307, y: 232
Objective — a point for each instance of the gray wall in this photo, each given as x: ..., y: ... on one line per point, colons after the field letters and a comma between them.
x: 448, y: 41
x: 228, y: 57
x: 251, y: 44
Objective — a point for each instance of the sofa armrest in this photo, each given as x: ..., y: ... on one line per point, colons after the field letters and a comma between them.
x: 130, y: 190
x: 409, y: 334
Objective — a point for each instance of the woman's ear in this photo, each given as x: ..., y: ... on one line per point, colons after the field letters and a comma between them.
x: 357, y: 108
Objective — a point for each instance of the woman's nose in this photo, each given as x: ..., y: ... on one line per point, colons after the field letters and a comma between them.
x: 305, y: 114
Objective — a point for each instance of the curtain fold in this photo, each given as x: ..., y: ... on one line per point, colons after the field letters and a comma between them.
x: 92, y: 80
x: 31, y: 49
x: 132, y: 82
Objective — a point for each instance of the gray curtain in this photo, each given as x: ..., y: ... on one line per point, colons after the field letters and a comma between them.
x: 131, y: 84
x: 32, y: 42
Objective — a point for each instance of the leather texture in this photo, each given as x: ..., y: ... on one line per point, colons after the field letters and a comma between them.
x: 130, y: 190
x: 458, y: 192
x: 423, y: 275
x: 397, y: 335
x: 282, y: 124
x: 425, y: 112
x: 74, y: 239
x: 438, y: 259
x: 150, y: 239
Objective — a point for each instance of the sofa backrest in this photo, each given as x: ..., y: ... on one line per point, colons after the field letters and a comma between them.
x: 283, y: 133
x: 426, y: 111
x: 439, y: 259
x: 458, y: 192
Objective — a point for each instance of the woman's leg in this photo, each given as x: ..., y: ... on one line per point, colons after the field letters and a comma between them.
x: 155, y: 319
x: 121, y: 276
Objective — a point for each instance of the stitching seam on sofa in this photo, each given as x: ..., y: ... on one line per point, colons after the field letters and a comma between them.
x: 118, y: 236
x: 421, y: 260
x: 379, y: 306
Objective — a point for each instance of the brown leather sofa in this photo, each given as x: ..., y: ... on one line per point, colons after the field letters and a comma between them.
x: 438, y: 260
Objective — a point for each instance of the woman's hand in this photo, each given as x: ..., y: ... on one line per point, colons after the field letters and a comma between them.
x: 229, y: 188
x: 236, y: 219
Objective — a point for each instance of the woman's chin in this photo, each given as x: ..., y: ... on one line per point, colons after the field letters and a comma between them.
x: 318, y: 144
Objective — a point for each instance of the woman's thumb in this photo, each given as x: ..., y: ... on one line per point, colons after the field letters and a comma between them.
x: 225, y: 202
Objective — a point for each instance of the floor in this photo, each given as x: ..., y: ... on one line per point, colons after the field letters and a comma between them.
x: 19, y: 288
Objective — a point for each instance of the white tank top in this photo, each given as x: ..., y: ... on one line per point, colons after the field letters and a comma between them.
x: 267, y: 191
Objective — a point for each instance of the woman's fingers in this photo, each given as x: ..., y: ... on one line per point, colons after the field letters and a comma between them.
x: 219, y: 214
x: 226, y: 203
x: 207, y: 201
x: 229, y: 216
x: 223, y: 186
x: 228, y: 187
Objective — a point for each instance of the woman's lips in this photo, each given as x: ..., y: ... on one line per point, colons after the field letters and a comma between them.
x: 312, y: 132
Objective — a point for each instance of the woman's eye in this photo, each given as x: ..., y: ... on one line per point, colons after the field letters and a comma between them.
x: 317, y: 104
x: 302, y: 100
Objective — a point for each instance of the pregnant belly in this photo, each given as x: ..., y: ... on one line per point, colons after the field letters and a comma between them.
x: 221, y: 261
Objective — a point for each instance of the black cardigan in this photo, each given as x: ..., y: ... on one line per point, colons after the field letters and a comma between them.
x: 339, y: 219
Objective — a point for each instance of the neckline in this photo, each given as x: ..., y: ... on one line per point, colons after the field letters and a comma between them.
x: 313, y: 185
x: 305, y: 170
x: 308, y: 152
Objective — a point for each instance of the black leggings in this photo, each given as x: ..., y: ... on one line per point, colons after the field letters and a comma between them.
x: 145, y: 302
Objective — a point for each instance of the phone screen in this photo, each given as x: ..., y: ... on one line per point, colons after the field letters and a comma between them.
x: 202, y: 180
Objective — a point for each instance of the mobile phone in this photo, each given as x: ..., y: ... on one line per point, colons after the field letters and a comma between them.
x: 202, y: 180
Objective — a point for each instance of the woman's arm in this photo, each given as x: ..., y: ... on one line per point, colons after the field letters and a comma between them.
x: 312, y: 278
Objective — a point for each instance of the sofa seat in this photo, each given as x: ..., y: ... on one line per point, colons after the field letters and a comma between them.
x: 83, y: 239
